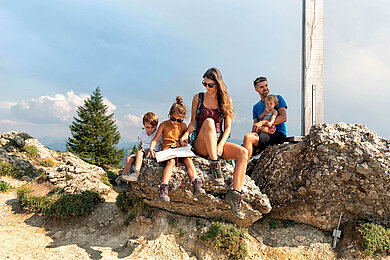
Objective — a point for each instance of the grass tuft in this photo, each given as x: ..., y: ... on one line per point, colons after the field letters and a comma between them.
x: 31, y: 151
x: 227, y: 237
x: 47, y: 163
x: 7, y: 169
x: 4, y: 186
x: 375, y: 239
x: 133, y: 206
x: 112, y: 176
x: 57, y: 204
x: 105, y: 180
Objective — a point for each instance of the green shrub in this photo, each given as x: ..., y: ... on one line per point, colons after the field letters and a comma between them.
x: 229, y: 238
x: 47, y: 163
x: 112, y: 176
x: 4, y: 186
x: 31, y: 171
x: 7, y: 169
x: 375, y: 238
x: 105, y: 180
x: 133, y: 206
x: 57, y: 204
x: 31, y: 150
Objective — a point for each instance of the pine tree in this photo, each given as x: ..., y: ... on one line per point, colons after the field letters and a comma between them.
x: 95, y: 134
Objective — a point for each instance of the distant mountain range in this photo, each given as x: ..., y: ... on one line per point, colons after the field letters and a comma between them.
x: 58, y: 144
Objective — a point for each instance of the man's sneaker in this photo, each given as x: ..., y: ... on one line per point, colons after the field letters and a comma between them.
x: 216, y: 173
x: 198, y: 190
x: 121, y: 187
x: 234, y: 198
x: 131, y: 176
x: 163, y: 195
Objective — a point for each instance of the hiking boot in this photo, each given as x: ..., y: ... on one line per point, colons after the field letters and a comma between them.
x: 131, y: 176
x: 163, y: 195
x: 216, y: 173
x: 234, y: 198
x: 121, y: 187
x: 198, y: 190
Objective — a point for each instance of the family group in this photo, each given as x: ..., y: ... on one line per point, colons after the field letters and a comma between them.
x: 208, y: 133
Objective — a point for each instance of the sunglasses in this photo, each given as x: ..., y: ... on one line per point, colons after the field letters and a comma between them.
x: 178, y: 120
x: 210, y: 85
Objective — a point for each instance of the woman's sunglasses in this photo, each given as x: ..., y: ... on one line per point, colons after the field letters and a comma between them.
x: 210, y: 85
x: 178, y: 120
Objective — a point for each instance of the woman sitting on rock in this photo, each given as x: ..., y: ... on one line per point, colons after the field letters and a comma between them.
x: 211, y: 110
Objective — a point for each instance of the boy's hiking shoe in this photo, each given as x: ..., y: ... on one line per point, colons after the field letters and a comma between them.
x: 121, y: 187
x: 198, y: 190
x: 131, y: 175
x: 234, y: 198
x: 163, y: 195
x: 216, y: 173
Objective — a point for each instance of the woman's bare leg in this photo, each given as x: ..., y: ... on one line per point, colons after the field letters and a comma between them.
x: 206, y: 141
x: 240, y: 155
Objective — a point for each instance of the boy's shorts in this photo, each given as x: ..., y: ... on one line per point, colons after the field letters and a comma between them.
x: 145, y: 151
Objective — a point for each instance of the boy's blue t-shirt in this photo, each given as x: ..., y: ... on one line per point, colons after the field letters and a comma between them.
x: 259, y: 108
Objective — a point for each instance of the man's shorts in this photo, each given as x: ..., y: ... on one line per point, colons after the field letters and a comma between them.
x: 266, y: 139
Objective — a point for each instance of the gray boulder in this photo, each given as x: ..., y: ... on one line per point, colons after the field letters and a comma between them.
x: 339, y: 168
x: 63, y: 170
x: 182, y: 201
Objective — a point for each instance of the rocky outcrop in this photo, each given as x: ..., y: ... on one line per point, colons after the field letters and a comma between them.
x: 340, y: 168
x: 63, y: 170
x: 212, y: 205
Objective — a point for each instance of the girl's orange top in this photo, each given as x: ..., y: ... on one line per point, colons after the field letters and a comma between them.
x: 172, y: 133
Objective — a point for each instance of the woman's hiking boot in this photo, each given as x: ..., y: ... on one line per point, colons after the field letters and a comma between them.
x: 163, y: 195
x: 216, y: 173
x: 131, y: 175
x: 234, y: 198
x: 198, y: 190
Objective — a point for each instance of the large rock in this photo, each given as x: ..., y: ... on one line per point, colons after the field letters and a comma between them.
x: 340, y: 168
x: 212, y: 205
x: 63, y: 170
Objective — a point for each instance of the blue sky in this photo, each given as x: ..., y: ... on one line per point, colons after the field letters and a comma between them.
x: 142, y: 54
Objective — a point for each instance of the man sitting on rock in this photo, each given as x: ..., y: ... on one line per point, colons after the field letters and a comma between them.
x: 256, y: 141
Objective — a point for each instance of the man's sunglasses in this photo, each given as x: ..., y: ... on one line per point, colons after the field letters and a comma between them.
x: 210, y: 85
x: 178, y: 120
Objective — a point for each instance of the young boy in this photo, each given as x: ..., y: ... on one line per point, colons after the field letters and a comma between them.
x: 150, y: 121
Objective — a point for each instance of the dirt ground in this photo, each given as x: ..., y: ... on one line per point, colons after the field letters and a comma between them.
x: 158, y: 235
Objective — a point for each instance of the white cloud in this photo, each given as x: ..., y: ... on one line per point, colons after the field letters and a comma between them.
x: 111, y: 106
x: 56, y: 109
x: 132, y: 120
x: 9, y: 122
x: 7, y: 104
